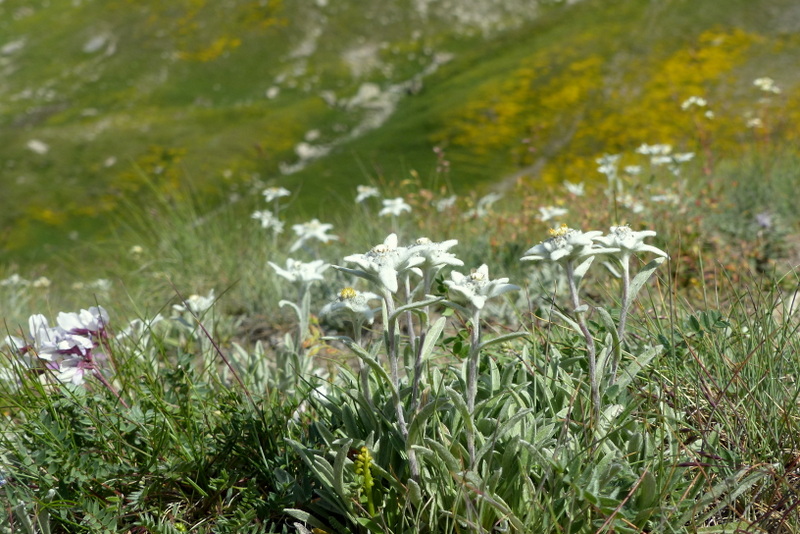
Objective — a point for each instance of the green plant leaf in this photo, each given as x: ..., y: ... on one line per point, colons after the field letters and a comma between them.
x: 641, y: 361
x: 642, y: 276
x: 501, y: 339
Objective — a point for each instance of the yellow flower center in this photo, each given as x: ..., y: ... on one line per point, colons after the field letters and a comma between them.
x: 559, y: 232
x: 347, y: 293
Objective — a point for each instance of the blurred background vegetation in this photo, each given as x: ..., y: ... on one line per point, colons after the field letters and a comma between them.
x: 109, y: 104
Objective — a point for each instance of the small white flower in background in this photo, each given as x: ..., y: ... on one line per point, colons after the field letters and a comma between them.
x: 547, y: 213
x: 354, y: 304
x: 394, y: 207
x: 608, y: 164
x: 366, y: 191
x: 566, y: 244
x: 657, y: 161
x: 268, y: 220
x: 274, y: 193
x: 696, y: 101
x: 136, y: 250
x: 476, y: 288
x: 709, y: 114
x: 575, y: 189
x: 101, y: 284
x: 300, y: 272
x: 484, y: 203
x: 15, y: 280
x: 435, y: 254
x: 632, y: 170
x: 197, y: 304
x: 767, y: 85
x: 755, y: 123
x: 383, y: 263
x: 445, y: 204
x: 632, y: 204
x: 683, y: 157
x: 654, y: 150
x: 312, y: 229
x: 38, y: 147
x: 666, y: 198
x: 628, y: 242
x: 41, y: 282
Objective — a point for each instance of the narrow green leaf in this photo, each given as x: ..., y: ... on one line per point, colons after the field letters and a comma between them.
x: 443, y: 454
x: 432, y: 337
x: 642, y: 277
x: 501, y: 339
x: 635, y: 367
x: 418, y: 305
x: 338, y: 472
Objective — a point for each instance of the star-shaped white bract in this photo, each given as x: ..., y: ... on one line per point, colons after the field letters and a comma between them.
x: 300, y: 272
x: 394, y: 207
x: 383, y: 264
x: 312, y: 229
x: 435, y: 254
x: 354, y: 305
x: 565, y: 245
x: 274, y: 193
x: 628, y: 242
x: 476, y: 288
x: 366, y: 191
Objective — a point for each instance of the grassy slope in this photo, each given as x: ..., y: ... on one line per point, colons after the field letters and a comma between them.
x: 140, y: 102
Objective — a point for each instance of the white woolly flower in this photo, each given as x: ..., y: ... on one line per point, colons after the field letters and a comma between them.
x: 566, y: 244
x: 476, y: 288
x: 575, y: 189
x: 697, y: 101
x: 483, y: 205
x: 394, y: 207
x: 312, y: 229
x: 353, y: 304
x: 654, y: 150
x: 268, y: 220
x: 435, y: 254
x: 300, y: 272
x: 365, y: 192
x: 383, y: 263
x: 767, y: 85
x: 197, y: 304
x: 628, y: 242
x: 547, y: 213
x: 274, y: 193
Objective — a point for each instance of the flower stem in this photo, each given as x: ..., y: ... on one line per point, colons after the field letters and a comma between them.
x: 623, y: 316
x: 391, y: 349
x: 472, y: 379
x: 590, y: 348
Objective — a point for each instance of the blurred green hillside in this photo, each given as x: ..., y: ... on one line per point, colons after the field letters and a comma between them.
x: 107, y: 104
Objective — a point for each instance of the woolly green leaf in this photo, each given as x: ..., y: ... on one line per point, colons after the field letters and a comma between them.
x: 414, y: 306
x: 642, y: 277
x: 501, y: 339
x: 461, y: 407
x: 636, y: 366
x: 443, y: 454
x: 338, y: 472
x: 432, y: 337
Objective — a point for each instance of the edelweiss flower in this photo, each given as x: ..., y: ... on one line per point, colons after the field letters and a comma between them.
x: 476, y: 288
x: 312, y: 229
x: 654, y: 150
x: 627, y: 242
x: 394, y: 207
x: 435, y: 255
x: 767, y: 85
x: 274, y: 193
x: 576, y: 189
x: 698, y: 101
x: 566, y: 244
x: 354, y: 304
x: 197, y: 304
x: 300, y: 272
x: 268, y: 220
x: 484, y: 203
x: 383, y: 263
x: 365, y: 192
x: 551, y: 212
x: 445, y: 204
